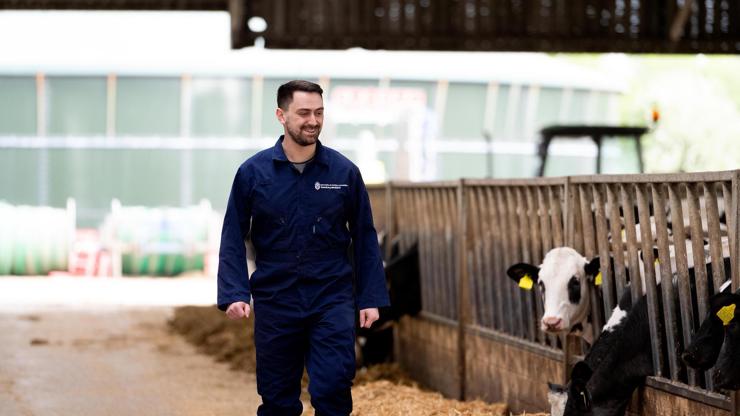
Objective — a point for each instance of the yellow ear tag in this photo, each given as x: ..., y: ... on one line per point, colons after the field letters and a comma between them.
x: 656, y: 262
x: 598, y: 280
x: 726, y: 314
x: 526, y: 282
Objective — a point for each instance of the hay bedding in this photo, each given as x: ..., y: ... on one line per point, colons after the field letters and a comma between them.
x: 212, y: 333
x: 381, y: 390
x: 384, y: 398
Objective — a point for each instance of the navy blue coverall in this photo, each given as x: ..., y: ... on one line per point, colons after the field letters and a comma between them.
x: 304, y: 302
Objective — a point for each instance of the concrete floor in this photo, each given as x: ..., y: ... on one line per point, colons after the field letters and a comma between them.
x: 100, y: 346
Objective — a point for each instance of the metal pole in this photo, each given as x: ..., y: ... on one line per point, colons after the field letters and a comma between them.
x: 640, y: 162
x: 597, y: 139
x: 734, y: 217
x: 489, y: 154
x: 389, y: 220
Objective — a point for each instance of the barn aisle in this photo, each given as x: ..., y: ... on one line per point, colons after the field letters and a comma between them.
x: 102, y: 347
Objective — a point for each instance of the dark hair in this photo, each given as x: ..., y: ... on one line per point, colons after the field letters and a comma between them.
x: 285, y: 92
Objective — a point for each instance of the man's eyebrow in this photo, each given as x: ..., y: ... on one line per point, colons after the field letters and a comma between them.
x: 309, y: 109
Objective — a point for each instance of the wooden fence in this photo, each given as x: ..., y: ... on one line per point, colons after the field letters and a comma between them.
x: 478, y: 334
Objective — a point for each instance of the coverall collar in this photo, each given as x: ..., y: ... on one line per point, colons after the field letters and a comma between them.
x: 279, y: 154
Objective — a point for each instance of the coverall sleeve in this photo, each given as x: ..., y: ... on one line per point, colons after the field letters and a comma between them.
x: 371, y: 288
x: 233, y: 279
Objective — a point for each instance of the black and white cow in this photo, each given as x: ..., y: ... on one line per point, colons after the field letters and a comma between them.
x: 617, y: 364
x: 621, y: 355
x: 375, y: 345
x: 563, y: 278
x: 717, y: 340
x: 727, y: 371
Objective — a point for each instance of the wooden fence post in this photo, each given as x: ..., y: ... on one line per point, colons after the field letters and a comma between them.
x: 462, y: 275
x: 568, y: 341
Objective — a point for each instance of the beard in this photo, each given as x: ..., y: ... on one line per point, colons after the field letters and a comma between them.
x: 302, y: 138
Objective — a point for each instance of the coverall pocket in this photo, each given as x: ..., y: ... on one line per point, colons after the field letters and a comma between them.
x: 274, y: 231
x: 269, y: 221
x: 329, y: 227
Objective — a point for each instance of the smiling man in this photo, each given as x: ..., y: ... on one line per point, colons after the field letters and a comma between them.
x: 302, y: 204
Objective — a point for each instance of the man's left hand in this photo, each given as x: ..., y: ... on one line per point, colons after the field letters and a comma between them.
x: 368, y: 316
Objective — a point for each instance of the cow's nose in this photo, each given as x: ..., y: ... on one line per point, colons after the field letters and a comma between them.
x: 551, y: 322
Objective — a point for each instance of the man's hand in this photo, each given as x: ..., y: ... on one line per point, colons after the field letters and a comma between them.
x: 238, y: 310
x: 368, y: 316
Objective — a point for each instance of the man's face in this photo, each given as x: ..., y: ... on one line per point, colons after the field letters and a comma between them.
x: 303, y: 118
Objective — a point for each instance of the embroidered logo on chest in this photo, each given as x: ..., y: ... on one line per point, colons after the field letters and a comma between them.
x: 319, y: 185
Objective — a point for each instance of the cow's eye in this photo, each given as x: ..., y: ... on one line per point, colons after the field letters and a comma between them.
x: 574, y: 290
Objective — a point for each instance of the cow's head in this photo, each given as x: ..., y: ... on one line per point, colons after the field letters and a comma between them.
x: 727, y: 371
x: 573, y: 398
x: 705, y: 345
x: 563, y: 278
x: 557, y: 396
x: 579, y: 399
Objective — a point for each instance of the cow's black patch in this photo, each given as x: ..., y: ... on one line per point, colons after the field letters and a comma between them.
x: 574, y: 290
x: 625, y: 301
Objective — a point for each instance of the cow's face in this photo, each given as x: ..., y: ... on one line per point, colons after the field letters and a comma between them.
x: 705, y: 346
x: 727, y: 370
x: 557, y: 396
x: 563, y: 279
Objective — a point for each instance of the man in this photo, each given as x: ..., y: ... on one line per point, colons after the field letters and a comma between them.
x: 302, y: 204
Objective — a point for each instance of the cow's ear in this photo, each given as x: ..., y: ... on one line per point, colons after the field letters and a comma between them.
x: 526, y: 275
x: 724, y: 306
x: 593, y: 270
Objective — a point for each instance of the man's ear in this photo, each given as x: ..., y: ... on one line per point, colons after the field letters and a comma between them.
x: 280, y: 114
x: 592, y: 269
x: 526, y: 275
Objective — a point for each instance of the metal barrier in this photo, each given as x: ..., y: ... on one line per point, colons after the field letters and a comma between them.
x: 497, y: 223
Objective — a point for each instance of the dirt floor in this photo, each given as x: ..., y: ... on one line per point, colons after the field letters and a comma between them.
x: 116, y: 347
